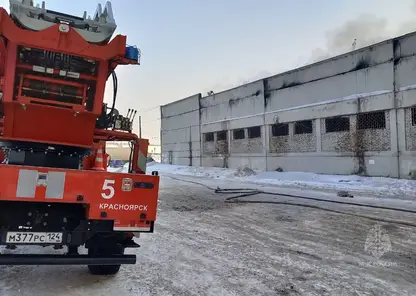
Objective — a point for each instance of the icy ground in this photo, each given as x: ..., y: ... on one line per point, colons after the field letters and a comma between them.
x: 373, y: 186
x: 204, y: 246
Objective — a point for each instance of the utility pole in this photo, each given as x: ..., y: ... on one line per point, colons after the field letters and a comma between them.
x: 140, y: 127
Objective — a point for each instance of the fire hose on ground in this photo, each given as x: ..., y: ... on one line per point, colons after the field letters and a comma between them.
x: 246, y: 192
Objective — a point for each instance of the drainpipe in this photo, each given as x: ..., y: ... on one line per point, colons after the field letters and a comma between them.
x: 395, y: 106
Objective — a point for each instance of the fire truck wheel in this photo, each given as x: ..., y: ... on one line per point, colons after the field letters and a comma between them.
x: 105, y: 269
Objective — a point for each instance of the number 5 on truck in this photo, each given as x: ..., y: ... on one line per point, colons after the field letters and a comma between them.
x: 108, y: 187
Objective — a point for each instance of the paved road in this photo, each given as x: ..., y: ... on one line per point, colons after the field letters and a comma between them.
x: 203, y: 246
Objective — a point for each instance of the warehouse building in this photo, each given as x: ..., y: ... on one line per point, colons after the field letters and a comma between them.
x: 351, y: 114
x: 122, y: 151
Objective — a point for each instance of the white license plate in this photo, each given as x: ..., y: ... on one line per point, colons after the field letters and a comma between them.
x: 34, y: 237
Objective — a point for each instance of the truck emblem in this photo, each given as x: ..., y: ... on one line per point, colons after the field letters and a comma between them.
x: 42, y: 179
x: 127, y: 184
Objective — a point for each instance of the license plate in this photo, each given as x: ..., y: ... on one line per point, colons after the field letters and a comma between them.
x: 34, y: 237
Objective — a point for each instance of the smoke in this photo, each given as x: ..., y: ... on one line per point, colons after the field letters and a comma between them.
x: 366, y: 29
x: 258, y: 76
x: 228, y: 83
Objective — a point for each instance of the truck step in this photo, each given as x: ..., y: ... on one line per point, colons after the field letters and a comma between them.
x: 37, y: 259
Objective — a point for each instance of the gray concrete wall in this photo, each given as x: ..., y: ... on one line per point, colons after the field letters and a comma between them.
x: 380, y: 78
x: 232, y: 110
x: 180, y: 132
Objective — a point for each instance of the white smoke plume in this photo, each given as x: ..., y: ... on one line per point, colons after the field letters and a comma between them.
x: 366, y: 29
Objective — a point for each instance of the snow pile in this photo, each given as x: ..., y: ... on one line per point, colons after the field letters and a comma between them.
x: 403, y: 189
x: 114, y: 169
x: 243, y: 172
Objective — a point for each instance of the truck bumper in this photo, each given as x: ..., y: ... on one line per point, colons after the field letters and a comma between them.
x: 35, y: 259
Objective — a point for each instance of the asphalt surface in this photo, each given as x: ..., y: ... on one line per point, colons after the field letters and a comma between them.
x: 204, y: 246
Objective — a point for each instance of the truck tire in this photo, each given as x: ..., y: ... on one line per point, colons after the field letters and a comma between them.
x: 105, y: 269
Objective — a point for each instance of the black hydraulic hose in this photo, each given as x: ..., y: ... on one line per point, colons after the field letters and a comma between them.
x: 193, y: 182
x: 323, y: 209
x: 130, y: 158
x: 244, y: 193
x: 115, y: 89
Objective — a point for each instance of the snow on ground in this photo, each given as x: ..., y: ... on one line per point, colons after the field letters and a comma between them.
x: 204, y: 246
x: 374, y: 186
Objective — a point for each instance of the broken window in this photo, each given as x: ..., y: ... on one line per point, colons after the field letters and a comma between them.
x: 413, y: 116
x: 280, y: 129
x: 337, y: 124
x: 209, y: 137
x: 238, y: 134
x: 371, y: 120
x: 303, y: 127
x: 254, y: 132
x: 222, y: 136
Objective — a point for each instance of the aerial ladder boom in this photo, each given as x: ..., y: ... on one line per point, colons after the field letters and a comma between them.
x: 97, y: 29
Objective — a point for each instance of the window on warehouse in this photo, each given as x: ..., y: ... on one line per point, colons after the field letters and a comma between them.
x: 222, y: 136
x: 303, y: 127
x: 238, y: 134
x: 413, y: 111
x: 209, y: 137
x: 337, y: 124
x: 371, y: 120
x: 254, y: 132
x: 280, y: 129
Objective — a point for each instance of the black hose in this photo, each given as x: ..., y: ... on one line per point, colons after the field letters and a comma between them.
x: 244, y: 193
x: 131, y: 157
x: 193, y: 182
x: 115, y: 89
x: 324, y: 209
x: 250, y: 192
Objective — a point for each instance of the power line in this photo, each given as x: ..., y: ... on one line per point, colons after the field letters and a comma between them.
x: 149, y: 109
x: 151, y: 120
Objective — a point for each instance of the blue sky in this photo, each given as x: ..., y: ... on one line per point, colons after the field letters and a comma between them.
x: 191, y: 46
